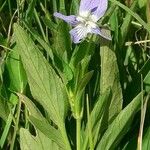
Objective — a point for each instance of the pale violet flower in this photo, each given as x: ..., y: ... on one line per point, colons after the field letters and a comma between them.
x: 90, y: 11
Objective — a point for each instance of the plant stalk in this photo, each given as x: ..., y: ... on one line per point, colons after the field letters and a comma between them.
x: 78, y: 133
x: 89, y: 125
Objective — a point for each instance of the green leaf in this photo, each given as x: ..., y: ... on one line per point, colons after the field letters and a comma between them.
x: 136, y: 16
x: 16, y: 71
x: 81, y: 53
x: 83, y: 82
x: 80, y: 91
x: 38, y: 142
x: 48, y: 23
x: 45, y: 85
x: 62, y: 41
x: 142, y: 3
x: 33, y: 110
x: 100, y: 108
x: 30, y: 10
x: 4, y: 111
x: 96, y: 115
x: 67, y: 71
x: 126, y: 24
x: 48, y: 130
x: 81, y: 76
x: 119, y: 127
x: 40, y: 122
x: 110, y: 78
x: 43, y: 43
x: 114, y: 23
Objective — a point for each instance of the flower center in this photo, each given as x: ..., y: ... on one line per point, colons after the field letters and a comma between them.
x: 87, y: 21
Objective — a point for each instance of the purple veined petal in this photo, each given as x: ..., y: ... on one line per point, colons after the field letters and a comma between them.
x: 69, y: 19
x: 102, y: 32
x: 78, y: 33
x: 100, y: 11
x: 88, y: 6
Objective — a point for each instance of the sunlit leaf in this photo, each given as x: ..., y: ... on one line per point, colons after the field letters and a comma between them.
x: 16, y: 71
x: 38, y: 142
x: 45, y: 85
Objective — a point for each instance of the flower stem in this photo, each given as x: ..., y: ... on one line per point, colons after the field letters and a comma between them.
x: 89, y: 125
x: 78, y: 133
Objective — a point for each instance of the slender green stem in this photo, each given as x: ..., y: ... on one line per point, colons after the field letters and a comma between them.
x: 143, y: 113
x: 16, y: 126
x: 78, y: 133
x: 89, y: 125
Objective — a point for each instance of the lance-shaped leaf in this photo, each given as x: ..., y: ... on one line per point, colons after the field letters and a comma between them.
x: 45, y: 85
x: 120, y: 125
x: 4, y: 111
x: 110, y: 77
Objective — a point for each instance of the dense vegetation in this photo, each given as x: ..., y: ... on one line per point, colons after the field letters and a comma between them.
x: 55, y: 94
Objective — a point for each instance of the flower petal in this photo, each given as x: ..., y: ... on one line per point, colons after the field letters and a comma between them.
x: 88, y: 6
x: 78, y: 33
x: 101, y: 32
x: 69, y: 19
x: 100, y: 11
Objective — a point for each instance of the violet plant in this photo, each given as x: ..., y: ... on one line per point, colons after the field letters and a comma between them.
x: 90, y: 11
x: 70, y: 86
